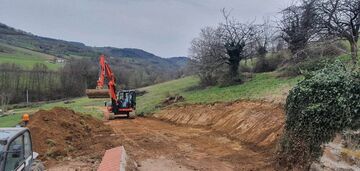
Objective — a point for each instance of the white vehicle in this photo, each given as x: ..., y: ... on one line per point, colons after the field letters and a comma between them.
x: 16, y: 152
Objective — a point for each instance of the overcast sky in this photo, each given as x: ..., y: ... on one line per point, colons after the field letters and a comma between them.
x: 162, y: 27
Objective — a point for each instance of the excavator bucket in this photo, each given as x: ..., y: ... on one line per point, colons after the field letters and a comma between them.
x: 97, y: 93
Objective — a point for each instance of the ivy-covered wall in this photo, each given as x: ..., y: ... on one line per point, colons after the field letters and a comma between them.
x: 326, y: 102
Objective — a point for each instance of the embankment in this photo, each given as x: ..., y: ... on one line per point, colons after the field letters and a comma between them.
x: 252, y: 122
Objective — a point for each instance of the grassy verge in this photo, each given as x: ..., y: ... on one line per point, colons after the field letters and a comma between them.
x: 256, y: 88
x: 157, y: 93
x: 259, y: 86
x: 9, y: 121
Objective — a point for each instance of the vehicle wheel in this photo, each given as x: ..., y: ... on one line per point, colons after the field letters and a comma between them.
x: 111, y: 116
x: 132, y: 115
x: 37, y: 165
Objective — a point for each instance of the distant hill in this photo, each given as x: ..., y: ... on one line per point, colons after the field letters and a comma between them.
x: 68, y: 49
x: 55, y: 47
x: 141, y: 67
x: 180, y: 61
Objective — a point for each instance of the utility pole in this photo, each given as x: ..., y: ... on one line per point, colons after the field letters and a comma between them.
x: 27, y: 96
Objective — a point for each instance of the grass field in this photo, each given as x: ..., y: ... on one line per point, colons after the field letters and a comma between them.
x: 25, y: 57
x: 256, y: 88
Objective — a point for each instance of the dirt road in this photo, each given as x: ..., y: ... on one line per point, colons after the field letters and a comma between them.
x: 222, y: 136
x: 158, y: 145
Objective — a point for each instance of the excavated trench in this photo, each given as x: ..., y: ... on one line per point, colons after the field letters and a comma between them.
x: 223, y: 136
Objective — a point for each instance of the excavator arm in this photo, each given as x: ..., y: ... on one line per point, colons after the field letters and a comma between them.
x: 106, y: 72
x: 123, y: 106
x: 100, y: 92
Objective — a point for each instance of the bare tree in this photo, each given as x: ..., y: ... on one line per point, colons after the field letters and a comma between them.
x: 235, y: 37
x: 208, y: 53
x: 298, y: 25
x: 5, y: 98
x: 263, y: 39
x: 341, y: 18
x: 222, y: 47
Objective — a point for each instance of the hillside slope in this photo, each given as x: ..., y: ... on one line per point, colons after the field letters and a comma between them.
x: 26, y: 58
x: 264, y: 86
x: 68, y: 49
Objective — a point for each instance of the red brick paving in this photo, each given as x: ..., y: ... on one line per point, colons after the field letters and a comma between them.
x: 112, y: 160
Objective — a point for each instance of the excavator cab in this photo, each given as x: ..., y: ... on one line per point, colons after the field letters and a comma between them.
x: 124, y: 106
x: 127, y: 99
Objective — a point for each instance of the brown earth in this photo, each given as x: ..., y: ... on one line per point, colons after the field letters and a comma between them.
x: 222, y: 136
x: 253, y: 122
x: 232, y: 136
x: 61, y: 134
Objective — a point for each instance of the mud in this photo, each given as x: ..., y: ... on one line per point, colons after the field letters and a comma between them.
x: 61, y: 134
x: 234, y: 136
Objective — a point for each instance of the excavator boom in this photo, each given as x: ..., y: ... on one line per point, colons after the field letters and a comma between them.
x: 105, y: 72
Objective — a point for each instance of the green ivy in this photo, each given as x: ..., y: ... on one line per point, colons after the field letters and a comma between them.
x: 326, y: 102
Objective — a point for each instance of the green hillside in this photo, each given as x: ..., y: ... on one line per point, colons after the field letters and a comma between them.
x: 262, y: 86
x: 265, y: 86
x: 136, y: 67
x: 24, y: 57
x: 69, y: 49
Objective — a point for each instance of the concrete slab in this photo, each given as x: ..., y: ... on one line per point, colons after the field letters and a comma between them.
x: 113, y: 160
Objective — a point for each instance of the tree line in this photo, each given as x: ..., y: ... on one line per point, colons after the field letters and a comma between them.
x: 40, y: 83
x: 18, y: 84
x: 218, y: 51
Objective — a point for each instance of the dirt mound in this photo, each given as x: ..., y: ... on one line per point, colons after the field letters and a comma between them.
x: 172, y: 99
x: 255, y: 123
x: 60, y: 133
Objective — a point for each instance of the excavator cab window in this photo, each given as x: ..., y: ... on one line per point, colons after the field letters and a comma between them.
x: 126, y: 99
x: 123, y: 100
x: 132, y: 96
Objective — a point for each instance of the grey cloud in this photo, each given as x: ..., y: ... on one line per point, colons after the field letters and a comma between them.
x: 164, y: 27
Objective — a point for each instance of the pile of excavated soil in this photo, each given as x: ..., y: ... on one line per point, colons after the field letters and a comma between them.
x: 255, y: 123
x: 61, y: 133
x: 172, y: 99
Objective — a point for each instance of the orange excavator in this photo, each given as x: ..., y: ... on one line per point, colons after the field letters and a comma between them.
x: 122, y: 102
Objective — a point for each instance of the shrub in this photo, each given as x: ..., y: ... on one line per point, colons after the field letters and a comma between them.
x: 207, y: 80
x: 268, y: 64
x: 245, y: 68
x: 324, y: 49
x: 333, y: 49
x: 309, y: 65
x: 325, y: 103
